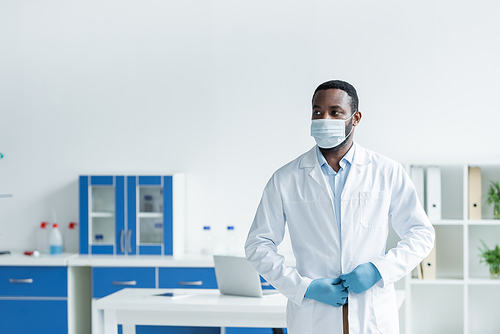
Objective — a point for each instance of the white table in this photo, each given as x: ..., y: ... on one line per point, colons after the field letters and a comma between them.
x: 130, y: 307
x: 201, y: 307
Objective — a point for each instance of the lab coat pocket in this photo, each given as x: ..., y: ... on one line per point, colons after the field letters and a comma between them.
x: 374, y: 208
x: 299, y: 319
x: 385, y: 307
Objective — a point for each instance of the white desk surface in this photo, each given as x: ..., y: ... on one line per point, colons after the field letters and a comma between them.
x: 202, y: 300
x: 202, y: 307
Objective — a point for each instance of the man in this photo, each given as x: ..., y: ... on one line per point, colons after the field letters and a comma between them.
x: 336, y: 200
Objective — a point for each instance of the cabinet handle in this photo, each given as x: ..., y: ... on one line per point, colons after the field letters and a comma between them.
x: 129, y: 241
x: 124, y: 282
x: 265, y: 284
x: 122, y: 241
x: 21, y: 280
x: 194, y: 283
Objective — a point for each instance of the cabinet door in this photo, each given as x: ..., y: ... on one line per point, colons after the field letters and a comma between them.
x: 33, y: 281
x: 150, y: 214
x: 108, y: 280
x: 33, y: 316
x: 150, y: 223
x: 102, y: 214
x: 192, y: 278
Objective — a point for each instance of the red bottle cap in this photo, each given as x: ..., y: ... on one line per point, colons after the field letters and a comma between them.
x: 43, y: 224
x: 72, y: 225
x: 55, y: 225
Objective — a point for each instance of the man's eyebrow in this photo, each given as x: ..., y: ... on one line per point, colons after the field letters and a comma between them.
x: 330, y: 107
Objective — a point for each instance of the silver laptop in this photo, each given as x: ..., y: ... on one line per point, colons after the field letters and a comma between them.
x: 235, y: 276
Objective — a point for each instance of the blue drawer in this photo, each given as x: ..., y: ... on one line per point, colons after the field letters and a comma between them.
x: 33, y: 316
x: 34, y: 281
x: 191, y: 278
x: 108, y: 280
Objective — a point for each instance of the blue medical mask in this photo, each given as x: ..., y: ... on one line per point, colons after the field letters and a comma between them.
x: 329, y: 133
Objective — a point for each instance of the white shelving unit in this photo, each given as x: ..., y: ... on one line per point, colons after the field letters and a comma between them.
x: 462, y: 298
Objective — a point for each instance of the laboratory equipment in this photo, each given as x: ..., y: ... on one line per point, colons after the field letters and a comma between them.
x: 230, y: 241
x: 148, y: 203
x: 55, y: 240
x: 207, y: 245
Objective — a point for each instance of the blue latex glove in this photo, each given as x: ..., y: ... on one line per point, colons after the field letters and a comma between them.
x: 361, y: 278
x: 327, y: 290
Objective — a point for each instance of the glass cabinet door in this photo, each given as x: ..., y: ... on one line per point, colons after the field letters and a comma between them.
x: 145, y: 204
x: 101, y: 213
x: 126, y: 215
x: 150, y: 216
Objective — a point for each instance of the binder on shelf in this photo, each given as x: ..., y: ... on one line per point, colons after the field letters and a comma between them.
x: 428, y: 265
x: 433, y: 200
x: 417, y: 177
x: 474, y: 193
x: 419, y: 271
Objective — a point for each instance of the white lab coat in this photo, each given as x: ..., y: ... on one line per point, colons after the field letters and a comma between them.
x: 297, y: 194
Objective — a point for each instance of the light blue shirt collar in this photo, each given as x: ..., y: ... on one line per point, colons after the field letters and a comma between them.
x: 347, y: 158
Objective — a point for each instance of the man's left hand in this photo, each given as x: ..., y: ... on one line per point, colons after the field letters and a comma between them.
x: 361, y: 278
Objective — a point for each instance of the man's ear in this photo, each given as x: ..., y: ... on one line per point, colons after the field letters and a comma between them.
x: 356, y: 118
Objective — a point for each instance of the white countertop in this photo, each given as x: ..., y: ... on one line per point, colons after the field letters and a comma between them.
x: 194, y: 260
x: 17, y: 258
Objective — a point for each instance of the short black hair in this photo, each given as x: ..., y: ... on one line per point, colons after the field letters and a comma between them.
x: 342, y: 85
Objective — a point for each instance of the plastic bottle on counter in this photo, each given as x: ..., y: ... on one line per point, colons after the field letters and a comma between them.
x: 55, y: 240
x: 71, y: 241
x: 207, y: 245
x: 230, y: 241
x: 42, y: 238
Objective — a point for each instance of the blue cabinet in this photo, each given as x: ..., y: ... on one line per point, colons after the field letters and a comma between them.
x: 184, y: 278
x: 105, y: 281
x: 33, y: 316
x: 131, y: 214
x: 33, y: 299
x: 33, y: 281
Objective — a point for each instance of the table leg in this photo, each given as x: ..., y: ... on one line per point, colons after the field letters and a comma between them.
x: 110, y: 325
x: 97, y: 320
x: 277, y: 331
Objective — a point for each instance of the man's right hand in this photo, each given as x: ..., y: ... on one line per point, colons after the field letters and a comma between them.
x: 327, y: 290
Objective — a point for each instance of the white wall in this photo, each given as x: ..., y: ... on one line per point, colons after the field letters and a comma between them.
x: 221, y: 91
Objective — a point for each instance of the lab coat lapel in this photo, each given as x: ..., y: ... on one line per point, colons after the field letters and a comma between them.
x: 310, y: 160
x: 359, y: 163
